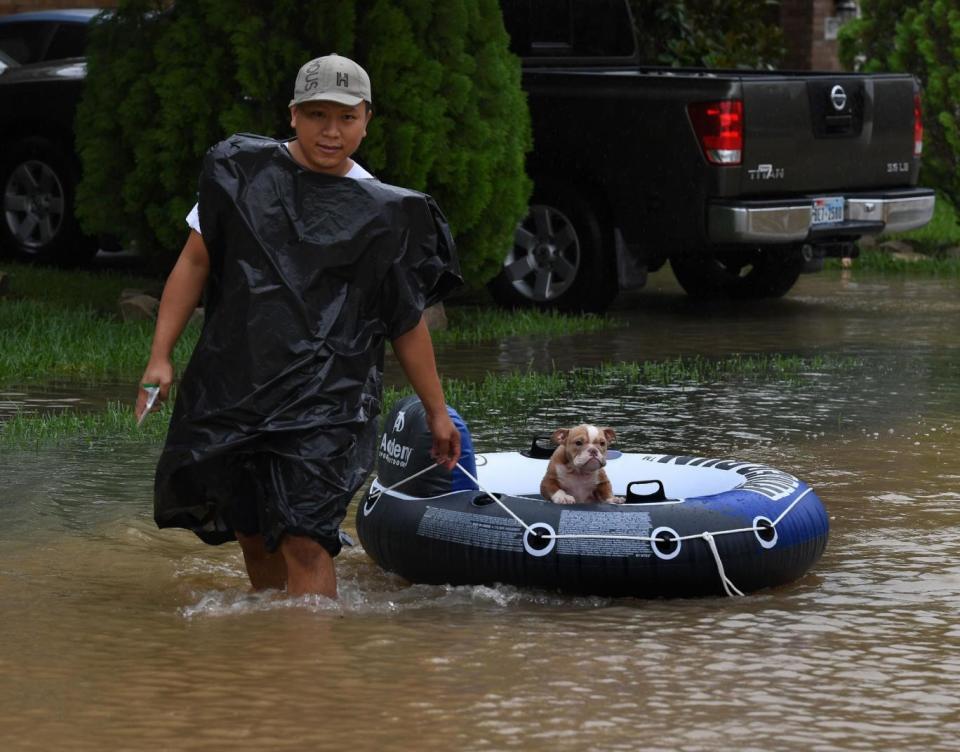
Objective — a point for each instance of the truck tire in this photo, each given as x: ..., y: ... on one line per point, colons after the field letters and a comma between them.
x: 39, y: 181
x: 558, y: 259
x: 741, y: 274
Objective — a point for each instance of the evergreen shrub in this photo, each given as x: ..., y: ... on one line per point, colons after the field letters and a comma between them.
x: 921, y: 37
x: 163, y: 86
x: 704, y: 33
x: 865, y: 43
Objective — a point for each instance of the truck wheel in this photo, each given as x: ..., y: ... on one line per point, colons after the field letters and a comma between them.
x: 557, y: 259
x: 39, y: 182
x: 742, y: 274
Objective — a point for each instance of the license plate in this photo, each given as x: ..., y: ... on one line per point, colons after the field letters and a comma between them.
x: 827, y: 210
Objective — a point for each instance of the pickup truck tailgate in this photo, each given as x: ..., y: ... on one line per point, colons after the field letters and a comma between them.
x: 827, y: 133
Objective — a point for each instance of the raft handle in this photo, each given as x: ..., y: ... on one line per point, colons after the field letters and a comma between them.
x: 538, y: 451
x: 484, y: 499
x: 650, y: 498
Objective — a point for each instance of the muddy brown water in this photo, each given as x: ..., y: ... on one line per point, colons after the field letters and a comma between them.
x: 114, y: 635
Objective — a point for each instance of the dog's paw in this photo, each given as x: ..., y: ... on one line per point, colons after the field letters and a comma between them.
x: 562, y: 498
x: 616, y: 500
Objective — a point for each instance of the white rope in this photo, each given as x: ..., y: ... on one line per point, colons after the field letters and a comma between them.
x: 792, y: 505
x: 648, y: 538
x: 404, y: 480
x: 502, y: 505
x: 728, y: 586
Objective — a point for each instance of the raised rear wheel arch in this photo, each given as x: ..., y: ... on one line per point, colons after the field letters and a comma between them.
x: 561, y: 257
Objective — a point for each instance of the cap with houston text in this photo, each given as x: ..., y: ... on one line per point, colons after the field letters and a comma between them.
x: 332, y: 78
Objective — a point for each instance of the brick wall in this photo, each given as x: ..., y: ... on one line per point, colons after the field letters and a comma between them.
x: 796, y: 19
x: 806, y: 24
x: 823, y: 55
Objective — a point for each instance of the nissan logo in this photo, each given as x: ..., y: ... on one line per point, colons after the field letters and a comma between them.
x: 838, y: 98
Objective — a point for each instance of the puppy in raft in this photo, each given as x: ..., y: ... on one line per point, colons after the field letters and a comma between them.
x: 575, y: 472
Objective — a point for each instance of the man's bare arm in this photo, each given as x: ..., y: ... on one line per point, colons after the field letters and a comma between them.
x: 181, y: 294
x: 414, y: 350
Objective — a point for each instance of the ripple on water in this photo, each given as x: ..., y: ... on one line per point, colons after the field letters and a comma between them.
x: 365, y: 590
x: 119, y: 636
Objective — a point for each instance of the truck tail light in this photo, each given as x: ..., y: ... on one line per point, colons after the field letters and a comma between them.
x: 917, y: 126
x: 719, y: 128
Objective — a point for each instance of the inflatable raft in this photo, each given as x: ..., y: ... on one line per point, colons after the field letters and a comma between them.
x: 691, y: 526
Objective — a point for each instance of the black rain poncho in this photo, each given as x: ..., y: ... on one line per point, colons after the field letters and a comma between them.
x: 309, y: 275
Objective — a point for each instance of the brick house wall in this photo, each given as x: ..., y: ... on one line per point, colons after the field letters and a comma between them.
x: 809, y: 29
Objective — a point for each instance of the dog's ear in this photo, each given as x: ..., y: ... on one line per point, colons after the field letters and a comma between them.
x: 560, y: 435
x: 609, y: 434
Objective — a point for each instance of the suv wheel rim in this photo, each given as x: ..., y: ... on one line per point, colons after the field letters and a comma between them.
x: 33, y: 204
x: 545, y: 258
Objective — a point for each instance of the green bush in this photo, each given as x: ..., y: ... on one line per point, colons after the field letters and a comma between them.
x: 923, y: 38
x: 163, y: 86
x: 865, y: 43
x: 738, y: 33
x: 939, y: 235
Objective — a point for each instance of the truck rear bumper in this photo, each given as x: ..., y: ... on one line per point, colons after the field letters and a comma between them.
x: 791, y: 220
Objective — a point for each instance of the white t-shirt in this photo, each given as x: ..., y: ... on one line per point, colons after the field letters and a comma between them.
x: 356, y: 172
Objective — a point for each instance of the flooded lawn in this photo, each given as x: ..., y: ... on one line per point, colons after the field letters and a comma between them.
x: 114, y: 635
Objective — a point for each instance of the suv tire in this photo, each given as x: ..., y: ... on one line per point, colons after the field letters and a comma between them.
x: 558, y: 259
x: 37, y: 223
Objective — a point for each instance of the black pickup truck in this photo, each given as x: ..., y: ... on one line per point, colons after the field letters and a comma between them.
x: 741, y: 179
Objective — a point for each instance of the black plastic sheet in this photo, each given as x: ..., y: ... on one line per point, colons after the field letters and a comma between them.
x: 310, y: 274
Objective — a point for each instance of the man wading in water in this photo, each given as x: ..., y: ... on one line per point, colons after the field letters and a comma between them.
x: 308, y: 265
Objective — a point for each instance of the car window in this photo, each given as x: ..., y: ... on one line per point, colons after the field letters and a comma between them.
x: 603, y: 28
x: 69, y: 40
x: 550, y: 30
x: 25, y: 42
x: 567, y: 28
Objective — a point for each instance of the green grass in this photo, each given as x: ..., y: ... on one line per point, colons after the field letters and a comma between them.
x: 520, y: 393
x: 942, y: 232
x: 933, y: 240
x: 100, y: 291
x: 43, y: 341
x: 58, y: 324
x: 473, y: 325
x: 116, y: 423
x: 871, y: 260
x: 95, y: 290
x: 497, y: 398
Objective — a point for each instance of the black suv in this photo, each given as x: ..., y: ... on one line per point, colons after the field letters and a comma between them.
x: 40, y: 84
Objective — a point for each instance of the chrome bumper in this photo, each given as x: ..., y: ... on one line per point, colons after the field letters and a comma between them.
x: 790, y: 221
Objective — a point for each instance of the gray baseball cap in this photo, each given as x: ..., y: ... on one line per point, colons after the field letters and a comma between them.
x: 332, y: 78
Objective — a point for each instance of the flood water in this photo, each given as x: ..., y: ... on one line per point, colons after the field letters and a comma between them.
x: 114, y: 635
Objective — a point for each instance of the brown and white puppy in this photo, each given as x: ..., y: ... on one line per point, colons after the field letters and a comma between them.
x: 575, y: 472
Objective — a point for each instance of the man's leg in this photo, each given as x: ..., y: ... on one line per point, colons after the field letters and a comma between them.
x: 265, y: 569
x: 309, y: 567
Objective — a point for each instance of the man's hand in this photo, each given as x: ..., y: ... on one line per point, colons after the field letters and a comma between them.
x: 414, y: 350
x: 159, y: 373
x: 446, y: 440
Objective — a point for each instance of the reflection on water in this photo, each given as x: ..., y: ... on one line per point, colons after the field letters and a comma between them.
x: 114, y: 635
x: 818, y: 316
x: 58, y: 396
